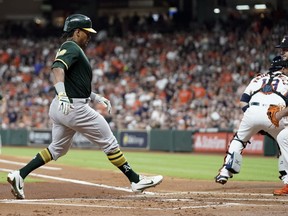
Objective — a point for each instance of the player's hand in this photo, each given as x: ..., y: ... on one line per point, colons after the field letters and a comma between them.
x: 64, y: 103
x: 99, y: 99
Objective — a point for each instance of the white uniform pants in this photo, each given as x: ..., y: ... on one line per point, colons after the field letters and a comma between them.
x: 255, y: 119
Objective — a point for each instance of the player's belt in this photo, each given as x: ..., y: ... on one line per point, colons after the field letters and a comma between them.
x: 80, y: 100
x: 259, y: 104
x: 254, y: 104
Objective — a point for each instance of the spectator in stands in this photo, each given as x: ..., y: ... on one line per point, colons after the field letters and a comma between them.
x: 188, y: 72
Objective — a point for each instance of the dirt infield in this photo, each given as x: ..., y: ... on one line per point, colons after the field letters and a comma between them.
x: 78, y: 191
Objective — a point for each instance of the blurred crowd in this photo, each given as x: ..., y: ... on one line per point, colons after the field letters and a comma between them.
x: 184, y: 80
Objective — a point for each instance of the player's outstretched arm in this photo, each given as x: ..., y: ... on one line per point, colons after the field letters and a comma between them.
x: 282, y: 113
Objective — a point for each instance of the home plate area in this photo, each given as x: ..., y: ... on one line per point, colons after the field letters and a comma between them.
x: 156, y: 203
x: 70, y: 191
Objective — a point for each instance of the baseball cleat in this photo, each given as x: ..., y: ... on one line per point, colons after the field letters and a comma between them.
x: 146, y: 182
x: 17, y: 184
x: 221, y: 179
x: 281, y: 192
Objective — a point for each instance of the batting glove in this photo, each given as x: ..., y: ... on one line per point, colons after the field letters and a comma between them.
x: 99, y: 99
x: 106, y: 103
x: 64, y: 103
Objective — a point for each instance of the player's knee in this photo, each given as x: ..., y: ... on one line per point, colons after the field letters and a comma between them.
x: 110, y: 146
x: 236, y: 146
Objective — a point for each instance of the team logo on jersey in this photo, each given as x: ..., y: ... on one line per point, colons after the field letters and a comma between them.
x: 61, y: 52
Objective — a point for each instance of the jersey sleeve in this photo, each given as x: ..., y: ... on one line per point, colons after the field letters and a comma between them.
x: 66, y: 55
x: 249, y: 89
x: 256, y: 83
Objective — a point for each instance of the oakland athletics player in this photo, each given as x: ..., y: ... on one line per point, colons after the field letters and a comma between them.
x: 71, y: 113
x: 2, y: 108
x: 263, y: 90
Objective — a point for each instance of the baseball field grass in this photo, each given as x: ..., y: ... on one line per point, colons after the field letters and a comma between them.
x: 180, y: 165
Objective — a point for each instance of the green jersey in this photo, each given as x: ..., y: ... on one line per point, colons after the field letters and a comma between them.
x: 78, y: 72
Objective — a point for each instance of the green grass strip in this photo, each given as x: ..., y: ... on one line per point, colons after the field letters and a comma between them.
x: 180, y: 165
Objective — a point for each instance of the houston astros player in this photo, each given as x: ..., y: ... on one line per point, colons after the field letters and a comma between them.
x: 282, y: 138
x: 71, y: 113
x: 263, y: 90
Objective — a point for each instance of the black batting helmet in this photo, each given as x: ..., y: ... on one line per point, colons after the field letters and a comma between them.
x: 78, y: 21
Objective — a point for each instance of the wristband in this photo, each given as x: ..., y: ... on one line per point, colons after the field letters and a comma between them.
x: 93, y: 96
x: 60, y: 87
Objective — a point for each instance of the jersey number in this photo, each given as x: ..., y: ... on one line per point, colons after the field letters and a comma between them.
x: 274, y: 83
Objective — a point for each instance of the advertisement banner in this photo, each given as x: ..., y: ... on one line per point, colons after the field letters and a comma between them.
x: 217, y: 142
x: 37, y: 137
x: 134, y: 139
x: 210, y: 142
x: 256, y: 145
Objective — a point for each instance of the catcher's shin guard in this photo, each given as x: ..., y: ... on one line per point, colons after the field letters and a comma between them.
x: 233, y: 159
x: 234, y: 163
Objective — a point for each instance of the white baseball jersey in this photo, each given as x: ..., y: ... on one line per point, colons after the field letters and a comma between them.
x: 262, y: 91
x: 279, y: 84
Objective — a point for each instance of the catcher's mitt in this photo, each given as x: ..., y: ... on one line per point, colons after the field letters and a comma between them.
x: 271, y: 113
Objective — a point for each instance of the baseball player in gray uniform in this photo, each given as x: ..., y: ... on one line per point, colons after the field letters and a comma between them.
x: 2, y: 108
x: 263, y: 90
x: 71, y: 113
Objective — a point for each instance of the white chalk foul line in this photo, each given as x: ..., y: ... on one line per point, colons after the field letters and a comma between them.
x: 80, y: 182
x: 225, y: 198
x: 219, y: 193
x: 55, y: 203
x: 23, y: 164
x: 82, y: 205
x: 208, y: 205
